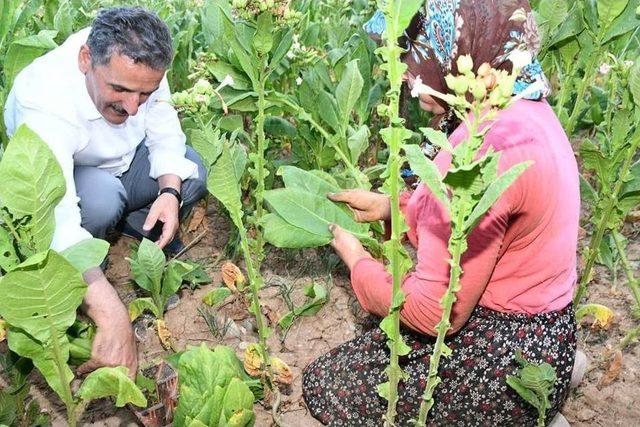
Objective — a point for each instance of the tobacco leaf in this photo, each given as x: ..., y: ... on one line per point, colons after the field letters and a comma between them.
x: 37, y: 184
x: 107, y: 382
x: 216, y: 296
x: 139, y: 305
x: 164, y: 333
x: 86, y: 254
x: 300, y: 210
x: 232, y: 277
x: 147, y: 266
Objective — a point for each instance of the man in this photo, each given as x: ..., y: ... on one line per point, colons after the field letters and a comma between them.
x: 100, y: 102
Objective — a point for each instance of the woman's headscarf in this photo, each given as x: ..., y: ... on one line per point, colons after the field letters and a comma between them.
x: 501, y: 32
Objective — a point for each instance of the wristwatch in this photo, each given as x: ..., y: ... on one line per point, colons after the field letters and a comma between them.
x: 173, y: 191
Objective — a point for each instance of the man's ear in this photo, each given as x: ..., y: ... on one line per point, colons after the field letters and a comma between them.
x: 84, y: 59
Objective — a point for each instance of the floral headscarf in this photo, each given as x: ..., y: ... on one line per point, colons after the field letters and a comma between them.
x: 501, y: 32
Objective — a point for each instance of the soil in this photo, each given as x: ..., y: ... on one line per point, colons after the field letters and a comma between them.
x: 596, y: 402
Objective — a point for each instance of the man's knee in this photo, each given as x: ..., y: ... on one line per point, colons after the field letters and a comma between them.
x: 102, y: 208
x: 194, y: 189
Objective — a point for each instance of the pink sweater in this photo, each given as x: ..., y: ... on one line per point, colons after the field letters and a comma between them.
x: 521, y: 256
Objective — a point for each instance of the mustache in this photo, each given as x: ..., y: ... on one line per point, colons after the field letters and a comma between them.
x: 118, y: 109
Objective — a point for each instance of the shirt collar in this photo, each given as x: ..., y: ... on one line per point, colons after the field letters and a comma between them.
x: 86, y: 107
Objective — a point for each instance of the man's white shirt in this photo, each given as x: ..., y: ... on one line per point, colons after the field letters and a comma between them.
x: 50, y: 96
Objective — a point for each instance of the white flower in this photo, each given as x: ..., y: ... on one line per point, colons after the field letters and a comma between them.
x: 604, y: 68
x: 299, y: 81
x: 228, y: 81
x: 629, y: 64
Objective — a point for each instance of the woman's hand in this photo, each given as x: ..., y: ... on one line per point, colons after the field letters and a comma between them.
x: 347, y: 246
x: 367, y: 206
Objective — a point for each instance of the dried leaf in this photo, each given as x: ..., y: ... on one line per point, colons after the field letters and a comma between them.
x: 281, y: 372
x: 613, y: 370
x: 253, y: 361
x: 199, y: 213
x: 603, y: 315
x: 3, y: 330
x: 232, y: 276
x: 164, y: 334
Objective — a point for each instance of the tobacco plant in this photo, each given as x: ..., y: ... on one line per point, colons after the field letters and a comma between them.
x: 471, y: 185
x: 577, y: 38
x: 398, y: 15
x: 226, y: 162
x: 534, y: 383
x: 161, y: 279
x: 610, y: 158
x: 42, y: 289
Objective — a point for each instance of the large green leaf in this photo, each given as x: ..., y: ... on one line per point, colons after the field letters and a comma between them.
x: 43, y: 357
x: 328, y: 110
x: 139, y: 305
x: 608, y: 10
x: 263, y: 39
x: 41, y: 295
x: 572, y: 25
x: 37, y: 184
x: 23, y: 51
x: 493, y: 192
x: 282, y: 44
x: 238, y: 404
x: 311, y: 212
x: 428, y: 173
x: 147, y: 266
x: 627, y: 21
x: 281, y: 234
x: 112, y: 382
x: 223, y: 184
x: 315, y: 182
x: 348, y: 91
x: 86, y: 254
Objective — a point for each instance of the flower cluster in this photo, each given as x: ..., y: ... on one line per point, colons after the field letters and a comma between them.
x: 301, y: 54
x: 279, y: 9
x: 487, y: 86
x: 200, y: 68
x: 197, y: 99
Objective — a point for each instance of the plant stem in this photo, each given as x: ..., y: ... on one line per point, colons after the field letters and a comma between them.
x: 601, y: 227
x: 585, y: 83
x: 260, y: 165
x: 631, y: 280
x: 67, y: 396
x: 631, y: 336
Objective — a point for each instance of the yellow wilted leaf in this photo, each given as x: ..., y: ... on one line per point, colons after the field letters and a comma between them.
x: 164, y: 334
x: 253, y: 361
x: 3, y: 330
x: 603, y: 315
x: 281, y: 372
x: 232, y: 276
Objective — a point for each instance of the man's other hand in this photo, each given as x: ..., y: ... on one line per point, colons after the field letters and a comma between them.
x: 114, y: 343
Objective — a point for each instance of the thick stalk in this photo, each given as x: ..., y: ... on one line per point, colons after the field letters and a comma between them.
x: 260, y: 164
x: 601, y: 227
x: 631, y: 280
x: 457, y: 246
x: 67, y: 396
x: 585, y: 83
x: 394, y: 70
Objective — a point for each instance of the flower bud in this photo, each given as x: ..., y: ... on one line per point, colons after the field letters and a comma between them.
x: 484, y: 70
x: 490, y: 81
x: 202, y: 86
x: 465, y: 64
x: 478, y: 89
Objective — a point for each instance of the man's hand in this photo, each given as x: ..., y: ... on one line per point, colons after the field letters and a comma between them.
x: 367, y: 206
x: 166, y: 209
x: 347, y: 246
x: 114, y: 343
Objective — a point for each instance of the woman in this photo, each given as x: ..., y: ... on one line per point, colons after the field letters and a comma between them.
x: 519, y: 270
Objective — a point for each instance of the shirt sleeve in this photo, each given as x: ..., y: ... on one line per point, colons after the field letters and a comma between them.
x: 425, y: 286
x: 165, y: 139
x: 63, y: 139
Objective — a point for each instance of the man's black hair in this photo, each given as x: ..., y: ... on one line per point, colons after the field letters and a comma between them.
x: 131, y: 31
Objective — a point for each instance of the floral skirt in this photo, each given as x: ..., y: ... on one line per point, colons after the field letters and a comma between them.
x: 340, y: 387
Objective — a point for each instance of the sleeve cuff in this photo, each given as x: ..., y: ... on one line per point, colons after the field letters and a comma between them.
x: 170, y: 163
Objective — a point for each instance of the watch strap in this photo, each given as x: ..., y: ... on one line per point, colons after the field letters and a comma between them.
x: 172, y: 191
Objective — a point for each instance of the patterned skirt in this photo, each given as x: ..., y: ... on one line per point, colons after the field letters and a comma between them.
x: 340, y: 387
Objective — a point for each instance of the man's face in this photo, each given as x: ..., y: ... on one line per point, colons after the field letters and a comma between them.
x: 119, y: 87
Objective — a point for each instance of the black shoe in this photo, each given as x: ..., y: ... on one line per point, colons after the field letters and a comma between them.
x: 129, y: 231
x: 174, y: 247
